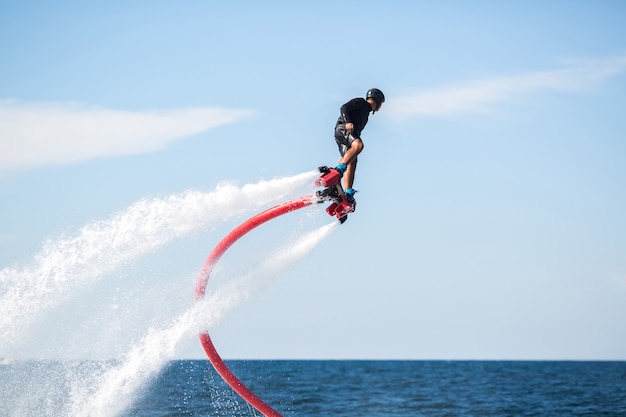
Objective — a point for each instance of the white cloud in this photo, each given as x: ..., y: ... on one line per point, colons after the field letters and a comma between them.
x: 61, y: 133
x: 479, y: 95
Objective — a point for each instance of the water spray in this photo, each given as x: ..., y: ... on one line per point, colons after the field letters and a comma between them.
x: 339, y: 208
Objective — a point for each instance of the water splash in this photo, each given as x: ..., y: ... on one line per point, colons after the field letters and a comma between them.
x: 69, y: 263
x: 115, y: 389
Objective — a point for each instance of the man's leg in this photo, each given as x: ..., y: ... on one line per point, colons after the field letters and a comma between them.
x: 350, y: 159
x: 348, y: 177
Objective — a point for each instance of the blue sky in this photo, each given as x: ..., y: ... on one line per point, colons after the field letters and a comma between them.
x: 490, y: 220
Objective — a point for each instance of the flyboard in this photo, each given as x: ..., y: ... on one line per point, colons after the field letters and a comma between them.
x: 330, y: 180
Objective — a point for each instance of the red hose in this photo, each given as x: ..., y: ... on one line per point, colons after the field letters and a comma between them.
x: 213, y: 258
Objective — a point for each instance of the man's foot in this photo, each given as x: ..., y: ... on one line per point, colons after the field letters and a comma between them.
x: 350, y: 198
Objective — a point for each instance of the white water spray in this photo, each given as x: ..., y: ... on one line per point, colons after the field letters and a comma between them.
x: 115, y: 389
x: 69, y: 263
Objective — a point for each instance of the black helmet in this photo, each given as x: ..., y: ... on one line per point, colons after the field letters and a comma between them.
x: 376, y: 94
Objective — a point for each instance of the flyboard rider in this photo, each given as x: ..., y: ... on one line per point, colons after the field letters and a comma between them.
x: 350, y: 124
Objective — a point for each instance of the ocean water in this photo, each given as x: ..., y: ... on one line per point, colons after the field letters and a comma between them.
x: 346, y: 388
x: 392, y: 388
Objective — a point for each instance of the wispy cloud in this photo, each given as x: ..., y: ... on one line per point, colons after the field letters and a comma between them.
x: 481, y: 95
x: 36, y: 134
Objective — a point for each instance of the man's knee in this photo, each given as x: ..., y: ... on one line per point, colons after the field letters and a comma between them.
x: 357, y: 145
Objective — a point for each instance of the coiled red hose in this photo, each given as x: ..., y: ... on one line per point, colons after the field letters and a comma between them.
x: 203, y: 279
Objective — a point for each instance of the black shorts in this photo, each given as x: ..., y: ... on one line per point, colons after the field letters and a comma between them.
x: 344, y: 139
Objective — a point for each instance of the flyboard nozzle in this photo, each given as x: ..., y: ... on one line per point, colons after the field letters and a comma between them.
x: 330, y: 177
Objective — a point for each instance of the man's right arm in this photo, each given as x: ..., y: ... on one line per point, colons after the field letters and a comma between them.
x: 346, y: 113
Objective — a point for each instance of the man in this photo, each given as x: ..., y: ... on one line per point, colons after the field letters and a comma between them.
x: 353, y: 118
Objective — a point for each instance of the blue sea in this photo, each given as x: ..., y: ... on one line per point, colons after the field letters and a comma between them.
x: 347, y: 388
x: 392, y: 388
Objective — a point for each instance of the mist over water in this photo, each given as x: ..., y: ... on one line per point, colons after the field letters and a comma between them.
x: 64, y: 266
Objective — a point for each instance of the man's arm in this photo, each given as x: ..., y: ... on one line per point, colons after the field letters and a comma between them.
x: 347, y: 111
x: 354, y: 113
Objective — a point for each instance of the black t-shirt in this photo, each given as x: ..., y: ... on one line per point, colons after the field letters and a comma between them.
x: 355, y: 111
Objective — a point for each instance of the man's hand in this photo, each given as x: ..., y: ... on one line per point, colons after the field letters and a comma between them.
x: 349, y: 127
